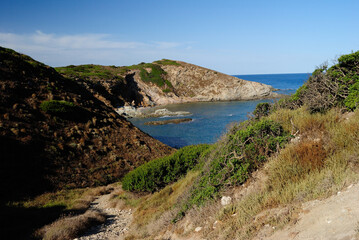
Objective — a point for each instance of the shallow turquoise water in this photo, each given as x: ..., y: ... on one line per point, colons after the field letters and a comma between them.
x: 211, y: 119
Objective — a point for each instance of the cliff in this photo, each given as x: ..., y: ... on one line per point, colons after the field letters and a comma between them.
x: 163, y: 82
x: 193, y: 83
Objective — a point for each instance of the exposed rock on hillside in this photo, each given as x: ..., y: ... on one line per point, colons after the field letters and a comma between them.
x: 54, y: 133
x: 192, y: 83
x: 163, y: 82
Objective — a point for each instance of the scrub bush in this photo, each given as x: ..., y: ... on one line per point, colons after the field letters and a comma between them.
x: 157, y: 173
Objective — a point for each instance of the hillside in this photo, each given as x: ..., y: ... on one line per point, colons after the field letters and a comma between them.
x: 56, y: 134
x: 162, y: 82
x: 289, y: 172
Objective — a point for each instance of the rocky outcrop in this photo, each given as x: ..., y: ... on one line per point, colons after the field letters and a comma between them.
x: 192, y: 83
x: 148, y: 112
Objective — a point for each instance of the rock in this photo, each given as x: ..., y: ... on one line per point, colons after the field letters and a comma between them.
x: 147, y: 112
x: 226, y: 200
x: 198, y: 229
x: 193, y: 83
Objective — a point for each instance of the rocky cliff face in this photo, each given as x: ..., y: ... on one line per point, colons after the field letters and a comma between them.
x: 192, y: 83
x: 73, y: 141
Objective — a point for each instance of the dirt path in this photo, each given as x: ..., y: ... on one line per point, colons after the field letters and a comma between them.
x: 336, y: 217
x: 116, y: 224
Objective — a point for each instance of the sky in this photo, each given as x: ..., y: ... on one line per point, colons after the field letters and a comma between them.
x: 229, y: 36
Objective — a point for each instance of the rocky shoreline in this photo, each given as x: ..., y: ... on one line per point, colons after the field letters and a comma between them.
x: 148, y: 112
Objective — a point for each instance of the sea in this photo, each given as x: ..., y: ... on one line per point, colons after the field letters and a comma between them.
x: 210, y: 120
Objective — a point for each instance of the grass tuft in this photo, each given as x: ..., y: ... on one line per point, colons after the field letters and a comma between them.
x: 67, y: 228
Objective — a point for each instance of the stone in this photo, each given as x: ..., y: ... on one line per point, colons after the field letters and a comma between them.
x: 198, y: 229
x: 226, y: 200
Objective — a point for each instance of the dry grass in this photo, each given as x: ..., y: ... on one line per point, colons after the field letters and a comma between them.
x: 55, y: 205
x: 154, y: 212
x: 70, y: 227
x: 323, y: 161
x: 72, y: 199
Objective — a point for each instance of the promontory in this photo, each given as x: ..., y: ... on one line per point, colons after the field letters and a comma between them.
x: 163, y: 82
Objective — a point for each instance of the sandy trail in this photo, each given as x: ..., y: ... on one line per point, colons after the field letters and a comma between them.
x: 336, y: 217
x: 116, y: 224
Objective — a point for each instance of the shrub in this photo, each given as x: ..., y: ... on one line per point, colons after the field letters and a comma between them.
x: 246, y: 148
x: 64, y: 109
x: 155, y: 76
x: 57, y: 107
x: 337, y: 86
x: 156, y: 174
x: 262, y: 109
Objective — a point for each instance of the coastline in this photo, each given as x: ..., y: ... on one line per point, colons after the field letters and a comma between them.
x: 160, y: 110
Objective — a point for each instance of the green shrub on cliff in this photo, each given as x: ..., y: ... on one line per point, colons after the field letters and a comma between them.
x: 157, y: 173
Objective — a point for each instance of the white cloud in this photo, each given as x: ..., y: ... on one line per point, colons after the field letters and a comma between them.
x: 56, y: 50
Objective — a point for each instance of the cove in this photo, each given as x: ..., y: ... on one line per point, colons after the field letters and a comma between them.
x: 212, y: 119
x: 209, y: 121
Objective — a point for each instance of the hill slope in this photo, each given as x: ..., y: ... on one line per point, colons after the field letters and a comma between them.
x: 54, y: 133
x: 266, y: 178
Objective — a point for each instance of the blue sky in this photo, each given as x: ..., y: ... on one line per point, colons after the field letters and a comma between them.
x: 233, y: 37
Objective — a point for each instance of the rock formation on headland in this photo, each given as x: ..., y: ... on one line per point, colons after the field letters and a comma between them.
x: 192, y: 83
x: 163, y: 82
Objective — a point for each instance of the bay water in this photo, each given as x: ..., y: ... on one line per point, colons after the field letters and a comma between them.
x: 212, y: 119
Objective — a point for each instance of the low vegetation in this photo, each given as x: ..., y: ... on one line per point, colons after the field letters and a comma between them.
x: 328, y: 87
x: 77, y: 199
x: 307, y: 143
x: 90, y: 71
x: 70, y: 227
x: 167, y: 62
x: 149, y: 72
x: 158, y: 173
x: 58, y: 107
x: 245, y: 148
x: 319, y: 163
x: 64, y: 109
x: 155, y: 74
x: 56, y: 215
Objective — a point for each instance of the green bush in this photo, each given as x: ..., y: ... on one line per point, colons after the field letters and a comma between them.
x: 155, y: 76
x: 246, y: 148
x: 337, y: 86
x: 157, y: 173
x: 57, y: 107
x: 65, y: 110
x: 262, y: 109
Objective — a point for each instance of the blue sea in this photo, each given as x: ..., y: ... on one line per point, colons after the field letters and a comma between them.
x: 212, y: 119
